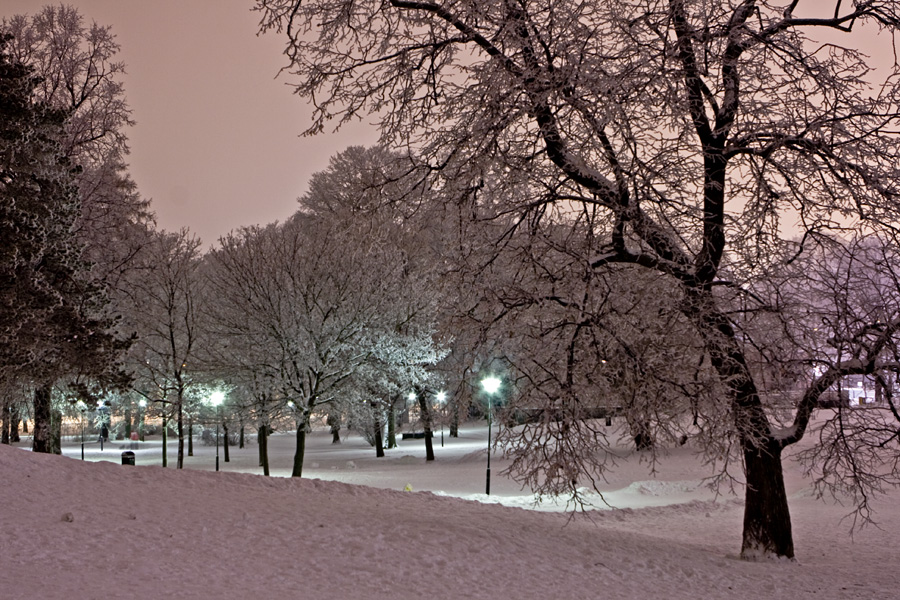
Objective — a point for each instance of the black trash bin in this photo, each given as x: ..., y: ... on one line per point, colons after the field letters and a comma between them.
x: 128, y: 457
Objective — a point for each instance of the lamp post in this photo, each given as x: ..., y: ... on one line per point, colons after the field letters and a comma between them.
x: 216, y: 399
x: 83, y: 408
x: 442, y: 398
x: 491, y: 386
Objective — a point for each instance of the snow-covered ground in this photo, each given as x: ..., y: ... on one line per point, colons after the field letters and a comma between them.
x: 350, y: 529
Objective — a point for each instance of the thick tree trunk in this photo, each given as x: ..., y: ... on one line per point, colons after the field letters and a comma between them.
x: 378, y: 435
x: 14, y: 425
x: 41, y: 430
x: 301, y: 446
x: 55, y: 432
x: 263, y: 441
x: 767, y: 520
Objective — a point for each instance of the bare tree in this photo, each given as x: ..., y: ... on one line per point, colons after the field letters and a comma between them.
x: 693, y: 128
x: 164, y: 298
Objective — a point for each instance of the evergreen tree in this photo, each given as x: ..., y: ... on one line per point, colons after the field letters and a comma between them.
x: 52, y: 322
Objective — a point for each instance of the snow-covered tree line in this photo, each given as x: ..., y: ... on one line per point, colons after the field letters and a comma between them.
x: 330, y: 314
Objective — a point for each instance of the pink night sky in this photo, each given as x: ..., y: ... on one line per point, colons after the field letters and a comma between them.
x: 217, y: 143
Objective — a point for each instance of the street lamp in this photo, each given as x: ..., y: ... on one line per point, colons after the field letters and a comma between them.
x: 83, y: 408
x: 442, y: 398
x: 216, y: 399
x: 491, y: 385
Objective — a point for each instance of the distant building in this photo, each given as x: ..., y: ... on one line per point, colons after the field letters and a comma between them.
x: 855, y: 390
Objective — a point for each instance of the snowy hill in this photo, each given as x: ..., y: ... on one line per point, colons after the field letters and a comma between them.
x: 72, y: 529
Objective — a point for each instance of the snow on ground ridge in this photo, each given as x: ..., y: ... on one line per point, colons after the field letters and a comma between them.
x: 194, y: 533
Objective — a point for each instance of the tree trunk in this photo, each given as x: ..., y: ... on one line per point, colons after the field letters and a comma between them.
x: 127, y: 423
x: 225, y: 440
x: 378, y: 434
x: 301, y: 446
x: 190, y: 435
x: 241, y: 438
x: 426, y: 424
x: 165, y: 437
x: 640, y: 432
x: 14, y: 425
x: 263, y: 441
x: 6, y: 421
x: 392, y: 425
x: 180, y: 428
x: 334, y: 422
x: 55, y: 432
x: 767, y: 519
x: 41, y: 429
x: 454, y: 420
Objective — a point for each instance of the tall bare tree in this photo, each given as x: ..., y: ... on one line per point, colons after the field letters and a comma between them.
x: 164, y: 298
